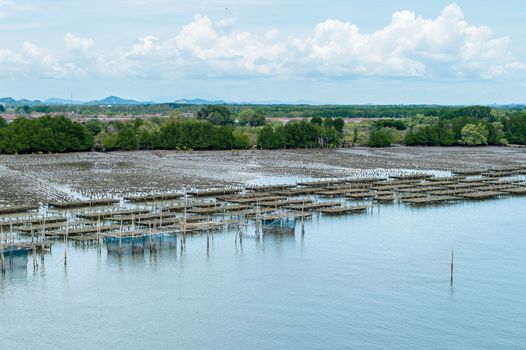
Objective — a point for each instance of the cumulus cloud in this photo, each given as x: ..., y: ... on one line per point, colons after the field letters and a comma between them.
x: 444, y: 47
x: 413, y: 46
x: 77, y: 43
x: 32, y: 60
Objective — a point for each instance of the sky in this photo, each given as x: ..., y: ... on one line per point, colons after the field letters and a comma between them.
x: 317, y: 51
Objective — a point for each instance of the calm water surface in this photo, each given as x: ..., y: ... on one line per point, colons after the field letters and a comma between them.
x: 377, y: 281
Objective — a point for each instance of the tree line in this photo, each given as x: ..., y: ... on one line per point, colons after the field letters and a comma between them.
x: 302, y: 134
x: 274, y: 110
x: 469, y: 126
x: 45, y: 134
x: 220, y: 128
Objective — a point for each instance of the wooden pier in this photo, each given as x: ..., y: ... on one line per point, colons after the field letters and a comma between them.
x: 154, y: 197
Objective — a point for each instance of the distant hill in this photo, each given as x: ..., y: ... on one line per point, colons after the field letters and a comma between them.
x: 119, y: 101
x: 116, y: 101
x: 110, y: 100
x: 12, y: 102
x: 7, y: 100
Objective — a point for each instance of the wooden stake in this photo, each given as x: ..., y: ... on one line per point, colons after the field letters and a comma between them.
x: 2, y: 249
x: 452, y: 265
x: 303, y: 219
x: 66, y: 243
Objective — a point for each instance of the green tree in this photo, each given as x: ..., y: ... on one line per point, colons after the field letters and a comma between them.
x: 268, y: 138
x: 390, y: 123
x: 51, y: 134
x: 94, y: 126
x: 515, y: 128
x: 496, y: 134
x: 107, y: 141
x: 426, y: 135
x: 241, y: 139
x: 259, y: 118
x: 328, y: 122
x: 380, y: 138
x: 10, y: 143
x: 339, y: 124
x: 316, y: 120
x: 251, y: 117
x: 148, y: 135
x: 474, y: 135
x: 218, y: 115
x: 355, y: 135
x: 245, y: 116
x: 126, y: 139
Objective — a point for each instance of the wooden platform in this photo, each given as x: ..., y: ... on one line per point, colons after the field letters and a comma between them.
x: 481, y: 195
x: 431, y: 200
x: 153, y: 197
x: 360, y: 195
x: 313, y: 206
x: 82, y: 204
x: 113, y: 213
x: 18, y: 209
x: 344, y: 210
x: 213, y: 192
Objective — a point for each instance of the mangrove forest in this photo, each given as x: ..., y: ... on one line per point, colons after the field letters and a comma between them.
x: 226, y: 127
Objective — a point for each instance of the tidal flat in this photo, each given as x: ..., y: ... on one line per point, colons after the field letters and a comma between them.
x: 47, y: 177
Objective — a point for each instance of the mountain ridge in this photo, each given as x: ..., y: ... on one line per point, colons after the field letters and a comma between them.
x: 113, y: 100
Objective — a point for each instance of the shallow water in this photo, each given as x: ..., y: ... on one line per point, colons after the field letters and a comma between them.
x: 374, y: 281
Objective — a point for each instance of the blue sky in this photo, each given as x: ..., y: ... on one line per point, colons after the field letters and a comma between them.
x: 330, y: 51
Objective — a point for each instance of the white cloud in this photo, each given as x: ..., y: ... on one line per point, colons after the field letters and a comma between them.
x: 77, y: 43
x: 32, y: 60
x: 9, y: 6
x: 413, y: 46
x: 445, y: 47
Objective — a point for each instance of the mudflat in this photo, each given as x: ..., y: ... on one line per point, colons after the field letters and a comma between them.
x: 45, y: 177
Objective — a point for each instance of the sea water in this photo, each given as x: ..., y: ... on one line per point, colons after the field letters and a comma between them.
x: 375, y: 281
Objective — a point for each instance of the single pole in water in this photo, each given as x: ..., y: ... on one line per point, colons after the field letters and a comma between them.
x: 66, y: 243
x: 43, y: 243
x: 99, y: 239
x: 258, y: 234
x: 303, y: 219
x: 120, y: 240
x: 2, y: 249
x: 33, y: 245
x: 452, y: 265
x: 183, y: 238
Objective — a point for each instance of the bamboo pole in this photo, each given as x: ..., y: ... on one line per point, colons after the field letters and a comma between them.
x: 452, y: 267
x: 2, y: 249
x: 66, y: 243
x: 43, y: 244
x: 99, y: 243
x: 33, y: 245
